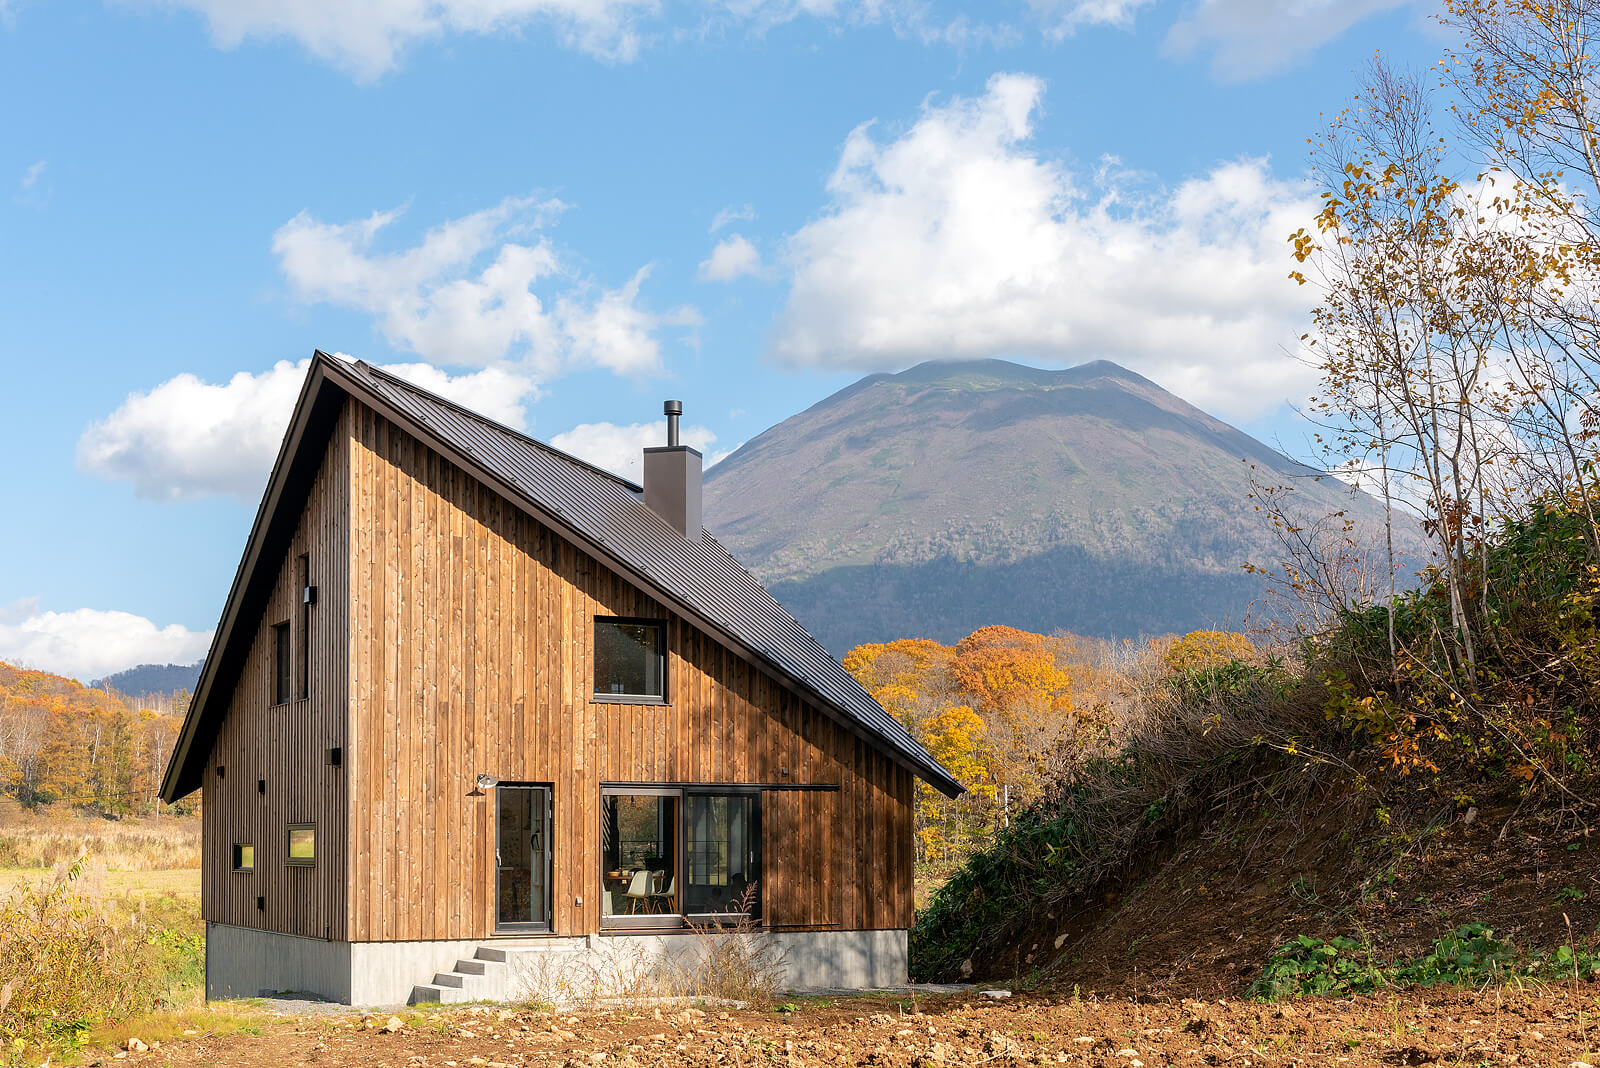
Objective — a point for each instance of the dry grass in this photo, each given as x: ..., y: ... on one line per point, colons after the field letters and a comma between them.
x: 68, y: 964
x: 721, y: 963
x: 43, y: 839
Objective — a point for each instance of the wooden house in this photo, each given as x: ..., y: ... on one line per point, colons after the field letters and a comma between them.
x: 471, y: 696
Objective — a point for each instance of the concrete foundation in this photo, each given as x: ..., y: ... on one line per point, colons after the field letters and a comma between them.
x: 242, y: 962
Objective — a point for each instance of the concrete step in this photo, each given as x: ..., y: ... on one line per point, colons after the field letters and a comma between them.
x: 488, y: 975
x: 440, y: 994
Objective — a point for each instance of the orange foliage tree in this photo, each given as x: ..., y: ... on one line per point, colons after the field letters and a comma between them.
x: 63, y: 742
x: 1005, y: 710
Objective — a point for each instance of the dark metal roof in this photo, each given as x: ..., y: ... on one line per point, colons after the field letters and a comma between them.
x: 601, y: 511
x: 698, y: 575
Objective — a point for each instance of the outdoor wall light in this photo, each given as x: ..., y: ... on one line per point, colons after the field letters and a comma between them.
x: 487, y: 781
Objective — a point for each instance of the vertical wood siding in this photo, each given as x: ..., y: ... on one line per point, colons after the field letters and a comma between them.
x: 284, y: 745
x: 467, y: 632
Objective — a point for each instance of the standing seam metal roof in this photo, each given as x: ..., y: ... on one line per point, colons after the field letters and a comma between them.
x: 699, y: 574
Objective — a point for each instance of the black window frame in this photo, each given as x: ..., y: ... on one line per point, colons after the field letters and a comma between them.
x: 288, y: 846
x: 303, y: 660
x: 660, y: 626
x: 679, y: 871
x: 282, y: 669
x: 238, y: 857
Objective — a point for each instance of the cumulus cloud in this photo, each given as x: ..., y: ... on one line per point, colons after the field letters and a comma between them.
x: 620, y: 449
x: 90, y: 643
x: 734, y: 257
x: 366, y: 39
x: 189, y: 438
x: 956, y: 239
x: 469, y: 292
x: 1247, y: 38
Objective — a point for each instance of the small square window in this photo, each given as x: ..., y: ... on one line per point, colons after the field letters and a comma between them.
x: 630, y: 659
x: 244, y: 856
x: 302, y: 844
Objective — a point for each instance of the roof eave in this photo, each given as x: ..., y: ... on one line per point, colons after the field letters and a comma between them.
x: 180, y: 779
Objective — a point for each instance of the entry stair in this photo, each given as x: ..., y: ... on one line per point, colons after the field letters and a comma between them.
x: 498, y: 972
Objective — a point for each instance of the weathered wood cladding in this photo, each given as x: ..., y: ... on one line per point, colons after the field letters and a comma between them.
x: 283, y: 746
x: 470, y: 651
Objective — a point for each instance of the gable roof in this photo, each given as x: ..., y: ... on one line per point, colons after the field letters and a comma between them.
x: 604, y: 514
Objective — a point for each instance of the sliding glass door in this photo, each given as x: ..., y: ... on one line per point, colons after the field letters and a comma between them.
x: 721, y: 851
x: 669, y: 852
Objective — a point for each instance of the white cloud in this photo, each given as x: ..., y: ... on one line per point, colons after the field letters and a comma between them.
x: 957, y: 240
x: 367, y: 38
x: 90, y: 643
x: 30, y: 177
x: 189, y: 438
x: 732, y: 214
x: 1061, y: 18
x: 1253, y: 37
x: 466, y: 293
x: 620, y: 449
x: 734, y: 257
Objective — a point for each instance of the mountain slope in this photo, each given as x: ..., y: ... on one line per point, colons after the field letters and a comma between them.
x: 952, y: 495
x: 152, y: 679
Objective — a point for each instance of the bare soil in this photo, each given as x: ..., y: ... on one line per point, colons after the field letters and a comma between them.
x: 1205, y: 913
x: 1534, y: 1026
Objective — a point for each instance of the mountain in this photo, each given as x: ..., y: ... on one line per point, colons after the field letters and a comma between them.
x: 151, y: 679
x: 953, y: 495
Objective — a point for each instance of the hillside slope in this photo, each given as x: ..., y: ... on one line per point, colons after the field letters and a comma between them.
x: 953, y: 495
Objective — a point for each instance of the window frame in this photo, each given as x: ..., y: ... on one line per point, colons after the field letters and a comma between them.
x: 662, y: 653
x: 655, y: 919
x: 303, y: 659
x: 282, y: 668
x: 681, y: 792
x: 288, y: 844
x: 238, y: 867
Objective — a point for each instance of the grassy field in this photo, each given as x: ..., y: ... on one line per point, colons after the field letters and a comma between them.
x: 101, y: 932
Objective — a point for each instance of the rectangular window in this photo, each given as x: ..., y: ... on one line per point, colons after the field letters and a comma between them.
x: 639, y: 855
x: 630, y: 660
x: 673, y: 852
x: 305, y: 627
x: 244, y: 856
x: 720, y: 852
x: 280, y: 663
x: 303, y: 844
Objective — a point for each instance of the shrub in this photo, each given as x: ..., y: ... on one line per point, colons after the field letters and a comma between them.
x: 67, y: 966
x: 1471, y: 955
x: 737, y: 962
x: 1519, y: 709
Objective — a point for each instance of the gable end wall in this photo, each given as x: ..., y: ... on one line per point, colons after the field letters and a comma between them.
x: 284, y: 745
x: 470, y: 651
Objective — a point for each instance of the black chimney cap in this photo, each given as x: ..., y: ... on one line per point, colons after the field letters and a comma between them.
x: 672, y: 408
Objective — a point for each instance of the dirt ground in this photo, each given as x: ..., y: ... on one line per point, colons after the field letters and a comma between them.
x: 1534, y: 1026
x: 1203, y: 920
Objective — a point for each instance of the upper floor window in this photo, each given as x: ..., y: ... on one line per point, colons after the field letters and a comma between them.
x: 306, y: 600
x: 281, y: 654
x: 630, y: 659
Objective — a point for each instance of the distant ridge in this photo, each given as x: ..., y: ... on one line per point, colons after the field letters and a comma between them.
x: 151, y: 678
x: 956, y: 494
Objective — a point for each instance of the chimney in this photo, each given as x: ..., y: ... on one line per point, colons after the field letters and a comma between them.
x: 672, y: 478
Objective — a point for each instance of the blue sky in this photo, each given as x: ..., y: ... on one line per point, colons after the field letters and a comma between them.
x: 562, y: 211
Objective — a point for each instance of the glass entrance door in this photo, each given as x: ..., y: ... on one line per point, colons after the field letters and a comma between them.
x: 522, y: 857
